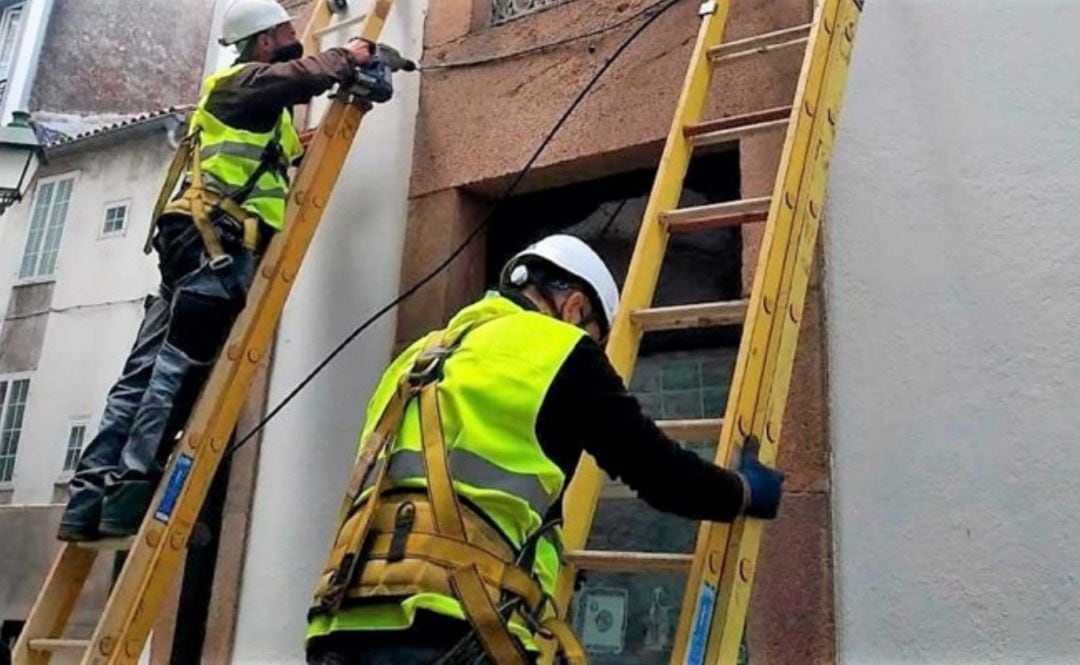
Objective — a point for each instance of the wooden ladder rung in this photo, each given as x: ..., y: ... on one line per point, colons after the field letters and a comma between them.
x: 57, y: 644
x: 610, y: 561
x: 706, y: 429
x: 736, y: 127
x: 680, y: 317
x: 759, y: 44
x: 108, y: 544
x: 717, y: 215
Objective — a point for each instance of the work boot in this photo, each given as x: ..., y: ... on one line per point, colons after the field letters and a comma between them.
x: 124, y: 507
x: 77, y: 533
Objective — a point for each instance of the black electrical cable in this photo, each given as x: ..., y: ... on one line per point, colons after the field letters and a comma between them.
x: 668, y: 4
x: 542, y: 47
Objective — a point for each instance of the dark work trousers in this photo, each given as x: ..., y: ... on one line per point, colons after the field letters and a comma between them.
x: 183, y: 328
x: 430, y: 638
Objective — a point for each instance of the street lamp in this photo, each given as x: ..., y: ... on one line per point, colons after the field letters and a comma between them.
x: 20, y: 155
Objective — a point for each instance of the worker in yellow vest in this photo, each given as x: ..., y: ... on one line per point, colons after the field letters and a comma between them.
x: 448, y: 546
x: 233, y: 183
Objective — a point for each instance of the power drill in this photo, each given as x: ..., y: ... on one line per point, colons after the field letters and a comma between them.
x: 373, y: 82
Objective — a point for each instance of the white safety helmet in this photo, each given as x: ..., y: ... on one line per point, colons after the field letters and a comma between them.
x: 245, y: 18
x: 575, y: 257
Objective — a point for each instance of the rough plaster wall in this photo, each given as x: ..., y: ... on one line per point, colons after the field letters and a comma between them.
x: 953, y: 281
x: 483, y: 122
x: 352, y: 269
x: 119, y: 56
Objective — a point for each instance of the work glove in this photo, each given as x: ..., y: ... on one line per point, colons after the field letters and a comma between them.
x: 763, y: 486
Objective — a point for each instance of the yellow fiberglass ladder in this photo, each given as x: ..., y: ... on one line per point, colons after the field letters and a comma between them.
x: 155, y: 552
x: 721, y: 570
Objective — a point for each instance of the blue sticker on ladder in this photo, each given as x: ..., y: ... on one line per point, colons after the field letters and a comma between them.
x: 699, y: 635
x: 179, y: 475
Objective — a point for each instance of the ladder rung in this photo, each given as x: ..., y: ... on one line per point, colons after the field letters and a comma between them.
x: 717, y: 215
x: 706, y: 429
x: 703, y: 315
x: 610, y: 561
x: 51, y: 644
x: 737, y: 127
x: 108, y: 544
x: 735, y: 121
x: 758, y: 44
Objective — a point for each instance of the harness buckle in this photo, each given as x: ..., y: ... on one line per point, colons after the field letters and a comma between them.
x: 221, y: 262
x: 433, y: 359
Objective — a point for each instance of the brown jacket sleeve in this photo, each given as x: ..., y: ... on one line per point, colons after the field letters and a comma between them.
x: 253, y: 98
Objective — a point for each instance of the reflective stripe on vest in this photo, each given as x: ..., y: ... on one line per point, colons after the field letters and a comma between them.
x: 471, y: 469
x: 490, y: 395
x: 230, y: 155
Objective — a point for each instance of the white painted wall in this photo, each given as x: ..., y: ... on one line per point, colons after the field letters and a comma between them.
x: 953, y: 253
x: 97, y: 299
x: 352, y: 269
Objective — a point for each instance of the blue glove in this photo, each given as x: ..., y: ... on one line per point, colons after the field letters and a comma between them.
x: 764, y: 486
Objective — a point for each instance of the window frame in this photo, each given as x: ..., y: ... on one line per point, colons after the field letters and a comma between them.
x: 104, y: 234
x: 5, y: 24
x: 7, y: 380
x: 38, y: 278
x: 73, y: 422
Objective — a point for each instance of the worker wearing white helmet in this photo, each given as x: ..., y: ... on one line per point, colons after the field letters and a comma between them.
x: 471, y: 438
x: 241, y: 145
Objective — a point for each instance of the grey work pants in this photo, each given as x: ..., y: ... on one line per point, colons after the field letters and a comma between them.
x: 183, y: 329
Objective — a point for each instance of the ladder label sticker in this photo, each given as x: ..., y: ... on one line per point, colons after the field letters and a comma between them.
x: 176, y: 482
x: 699, y: 637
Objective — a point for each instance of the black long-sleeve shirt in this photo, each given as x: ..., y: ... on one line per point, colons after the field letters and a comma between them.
x: 587, y: 408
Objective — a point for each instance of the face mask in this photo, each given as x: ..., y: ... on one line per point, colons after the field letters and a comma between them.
x: 288, y: 52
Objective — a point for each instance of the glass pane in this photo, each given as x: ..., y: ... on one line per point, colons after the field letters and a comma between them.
x: 76, y: 436
x: 56, y: 228
x: 114, y: 219
x: 42, y: 205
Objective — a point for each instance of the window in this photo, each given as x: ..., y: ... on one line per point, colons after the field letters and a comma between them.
x: 76, y: 438
x: 508, y: 10
x: 13, y: 395
x: 46, y: 228
x: 115, y: 219
x: 10, y: 22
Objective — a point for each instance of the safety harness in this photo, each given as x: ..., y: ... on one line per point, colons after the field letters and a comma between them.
x: 398, y: 543
x: 202, y: 203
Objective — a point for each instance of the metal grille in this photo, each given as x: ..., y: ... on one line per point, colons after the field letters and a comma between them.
x: 508, y: 10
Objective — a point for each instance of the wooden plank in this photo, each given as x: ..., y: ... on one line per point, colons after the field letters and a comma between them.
x: 715, y: 215
x: 705, y: 429
x: 702, y: 315
x: 611, y: 561
x: 761, y: 44
x: 54, y: 603
x: 44, y: 644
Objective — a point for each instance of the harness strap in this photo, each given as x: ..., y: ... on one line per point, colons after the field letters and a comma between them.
x: 488, y: 623
x: 179, y: 164
x: 197, y: 200
x: 440, y: 486
x: 569, y: 645
x: 445, y: 552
